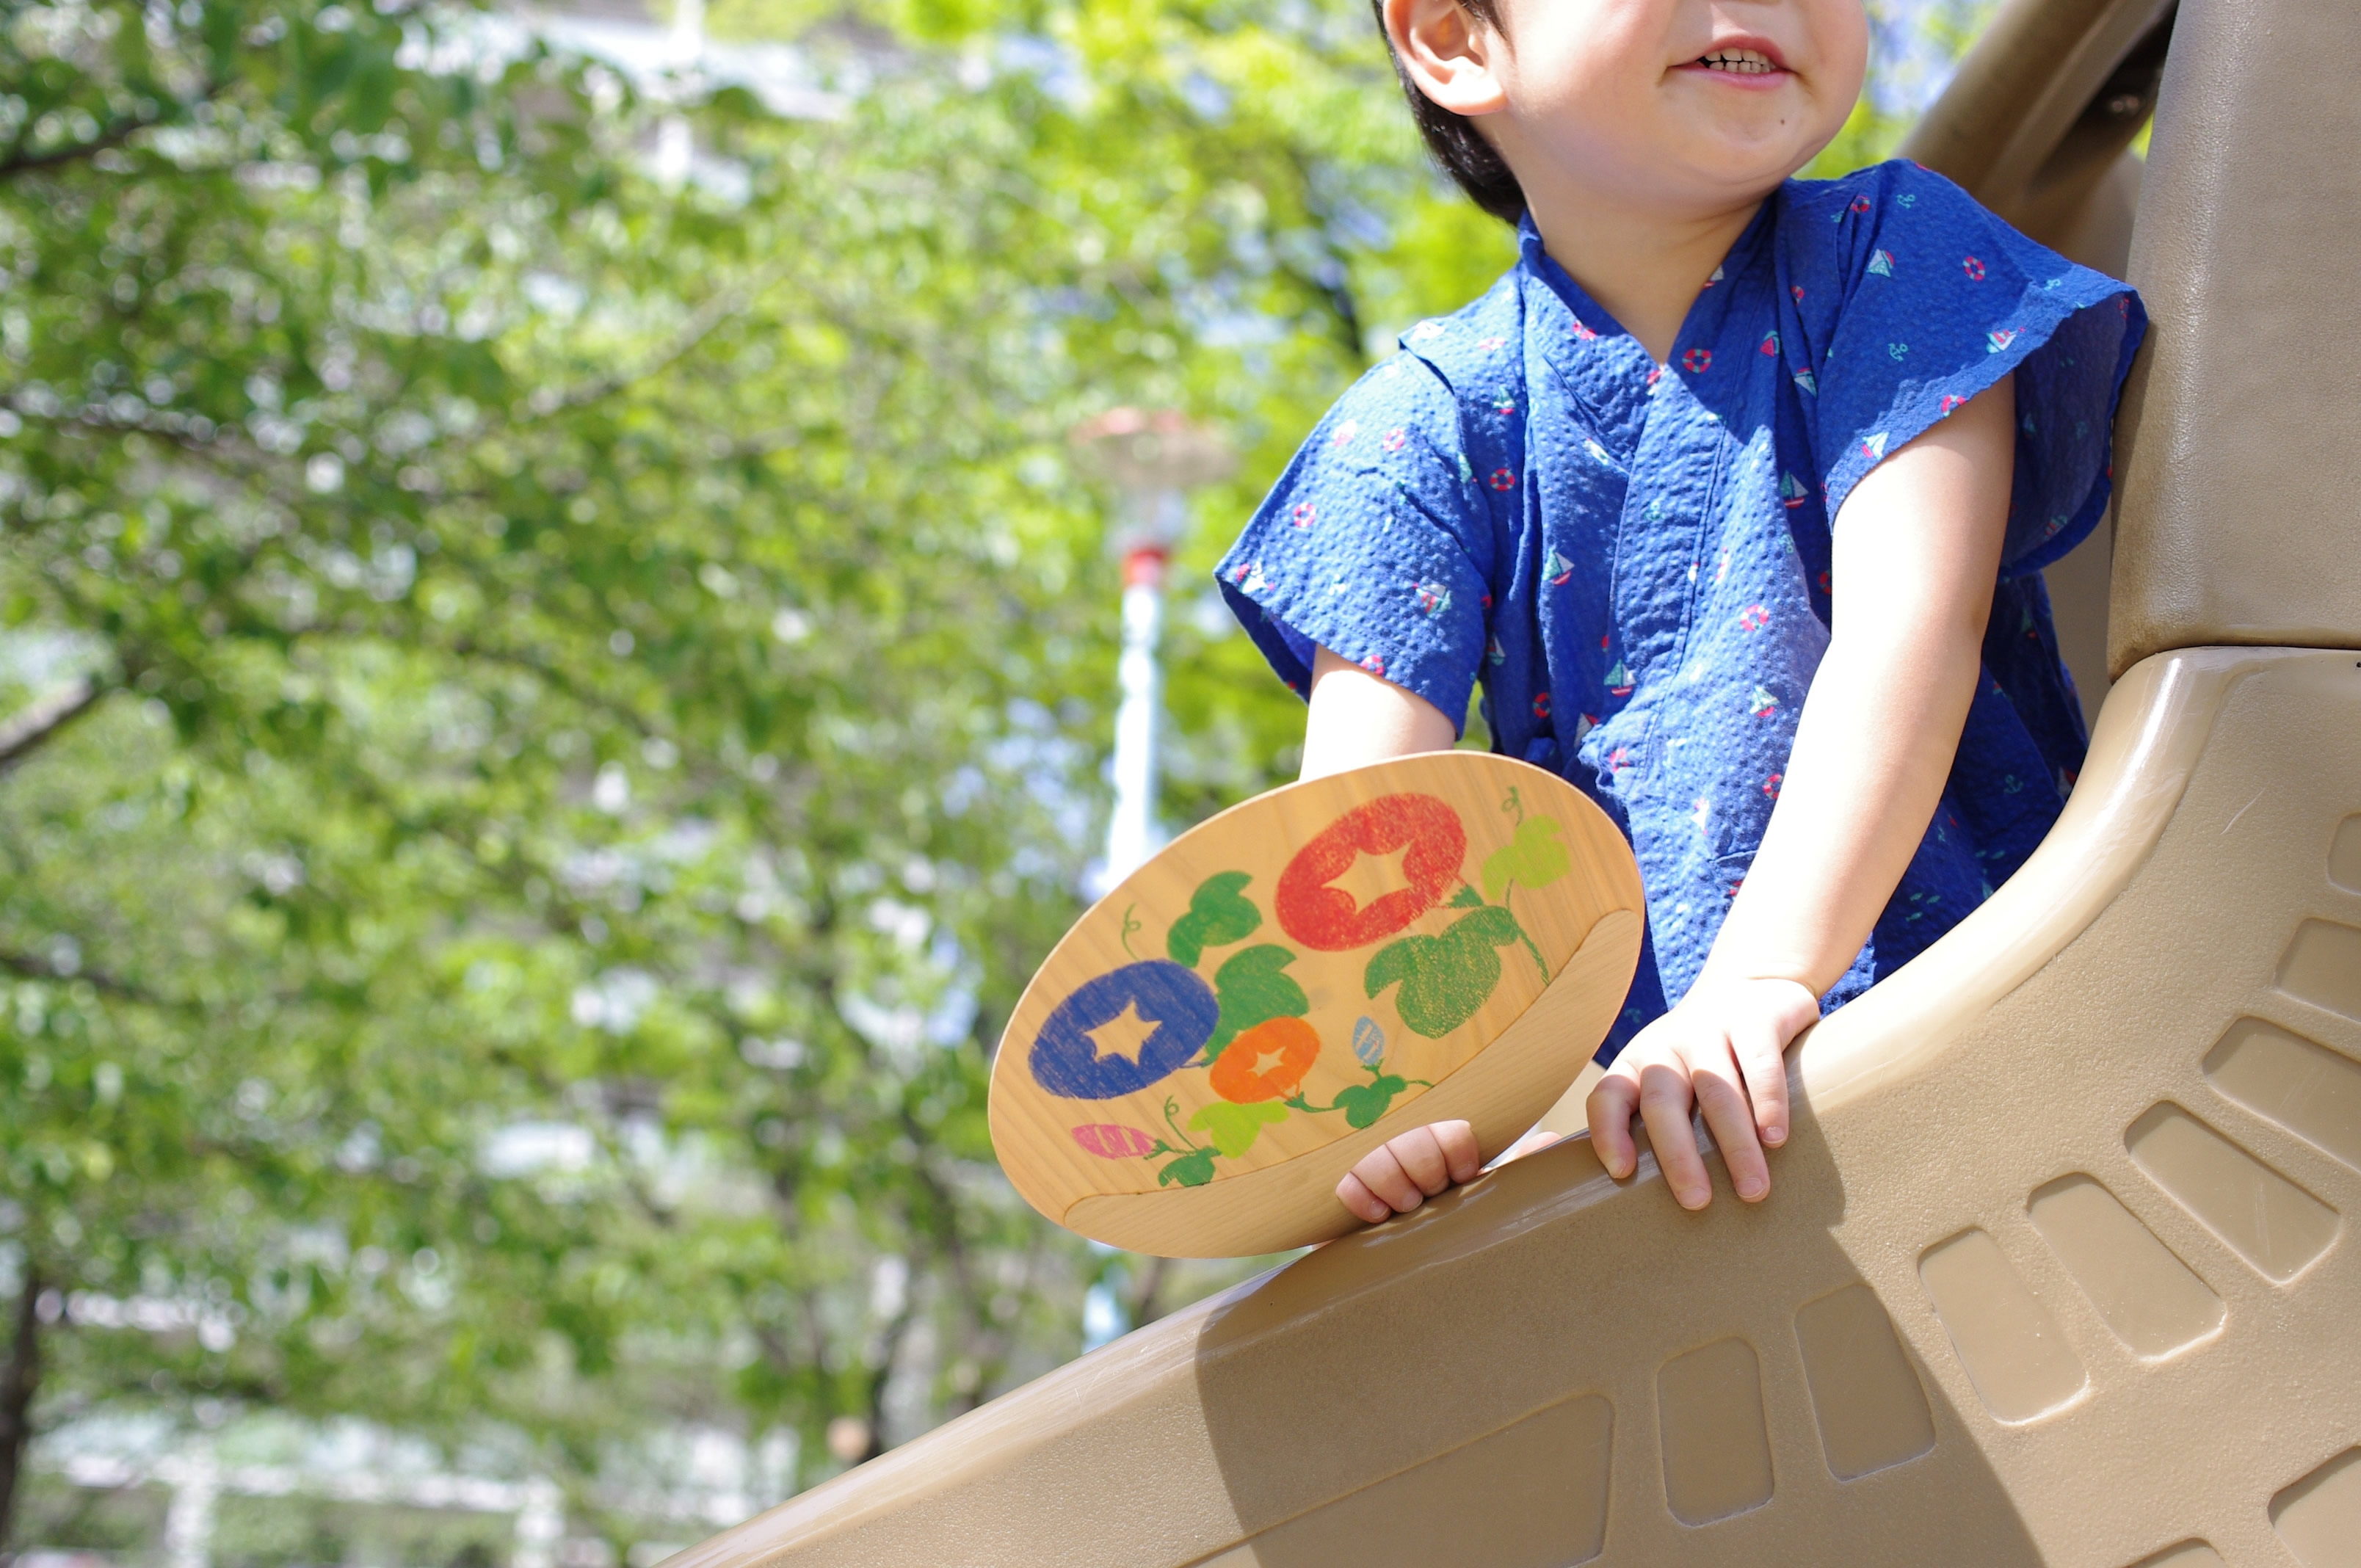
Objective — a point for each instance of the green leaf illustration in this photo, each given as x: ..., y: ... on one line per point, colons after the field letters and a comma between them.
x: 1251, y: 989
x: 1444, y: 978
x: 1191, y: 1170
x: 1534, y: 857
x: 1218, y: 916
x: 1235, y: 1128
x: 1363, y: 1103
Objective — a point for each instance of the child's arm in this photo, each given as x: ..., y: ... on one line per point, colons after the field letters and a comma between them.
x: 1357, y: 718
x: 1916, y: 550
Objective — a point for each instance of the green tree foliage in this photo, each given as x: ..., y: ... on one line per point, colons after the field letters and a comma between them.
x: 546, y: 716
x: 500, y: 644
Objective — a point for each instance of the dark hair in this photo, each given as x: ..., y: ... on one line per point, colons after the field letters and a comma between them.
x: 1452, y: 140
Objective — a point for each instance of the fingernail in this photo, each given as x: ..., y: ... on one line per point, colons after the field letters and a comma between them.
x: 1774, y: 1136
x: 1749, y: 1191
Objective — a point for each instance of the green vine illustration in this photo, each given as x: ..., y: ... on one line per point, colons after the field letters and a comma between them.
x: 1196, y: 1165
x: 1363, y: 1103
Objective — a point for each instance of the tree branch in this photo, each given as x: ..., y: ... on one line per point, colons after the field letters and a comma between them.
x: 115, y: 134
x: 706, y: 320
x: 42, y: 721
x: 20, y: 1380
x: 32, y: 968
x: 889, y: 1348
x: 1145, y: 1307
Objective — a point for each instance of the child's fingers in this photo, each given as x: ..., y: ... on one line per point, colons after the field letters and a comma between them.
x: 1381, y: 1172
x: 1761, y: 1058
x: 1462, y: 1157
x: 1354, y: 1194
x: 1609, y: 1108
x: 1730, y: 1120
x: 1421, y: 1155
x: 1664, y: 1100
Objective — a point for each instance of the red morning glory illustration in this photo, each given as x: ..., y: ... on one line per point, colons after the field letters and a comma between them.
x: 1423, y: 829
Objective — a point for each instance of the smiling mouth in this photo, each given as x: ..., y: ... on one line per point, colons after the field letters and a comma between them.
x: 1739, y: 61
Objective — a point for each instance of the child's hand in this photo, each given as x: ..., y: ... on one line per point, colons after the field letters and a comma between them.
x: 1408, y: 1169
x: 1723, y: 1050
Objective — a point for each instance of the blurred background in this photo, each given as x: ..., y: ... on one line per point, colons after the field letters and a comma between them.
x: 558, y: 671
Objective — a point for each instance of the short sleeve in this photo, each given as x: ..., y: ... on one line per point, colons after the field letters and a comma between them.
x: 1940, y: 300
x: 1374, y: 544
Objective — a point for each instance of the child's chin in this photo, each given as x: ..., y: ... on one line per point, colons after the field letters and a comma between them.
x: 1747, y: 150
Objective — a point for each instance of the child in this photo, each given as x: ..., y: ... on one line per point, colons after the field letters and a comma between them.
x: 1627, y: 489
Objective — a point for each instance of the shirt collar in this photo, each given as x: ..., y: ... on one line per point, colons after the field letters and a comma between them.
x: 1534, y: 258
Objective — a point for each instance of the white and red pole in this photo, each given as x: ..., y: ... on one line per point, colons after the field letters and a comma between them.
x: 1154, y: 458
x: 1132, y: 833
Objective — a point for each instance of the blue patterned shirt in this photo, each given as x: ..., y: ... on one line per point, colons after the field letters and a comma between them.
x: 1633, y: 559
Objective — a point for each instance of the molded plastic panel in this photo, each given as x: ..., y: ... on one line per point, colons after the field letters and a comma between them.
x: 2310, y: 1091
x: 1866, y: 1397
x: 2275, y: 1225
x: 2322, y: 966
x: 2234, y: 513
x: 2016, y: 1353
x: 2146, y: 1296
x: 2344, y: 855
x: 1534, y: 1496
x: 2320, y: 1516
x: 2188, y: 1554
x: 1717, y: 1454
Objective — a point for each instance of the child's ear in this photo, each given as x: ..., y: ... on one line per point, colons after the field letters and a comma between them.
x: 1449, y: 53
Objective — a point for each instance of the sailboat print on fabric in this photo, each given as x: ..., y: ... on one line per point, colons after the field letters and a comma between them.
x: 1762, y: 703
x: 1792, y: 491
x: 1561, y: 570
x: 1618, y: 680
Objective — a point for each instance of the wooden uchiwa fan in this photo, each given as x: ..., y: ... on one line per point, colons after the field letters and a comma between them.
x: 1285, y: 987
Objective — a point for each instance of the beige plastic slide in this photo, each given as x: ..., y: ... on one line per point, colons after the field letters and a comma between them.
x: 2055, y: 1271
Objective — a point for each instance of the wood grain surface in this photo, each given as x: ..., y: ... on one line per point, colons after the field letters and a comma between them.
x: 1285, y: 986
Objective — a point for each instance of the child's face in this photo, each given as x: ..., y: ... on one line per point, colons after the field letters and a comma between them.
x: 1617, y: 94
